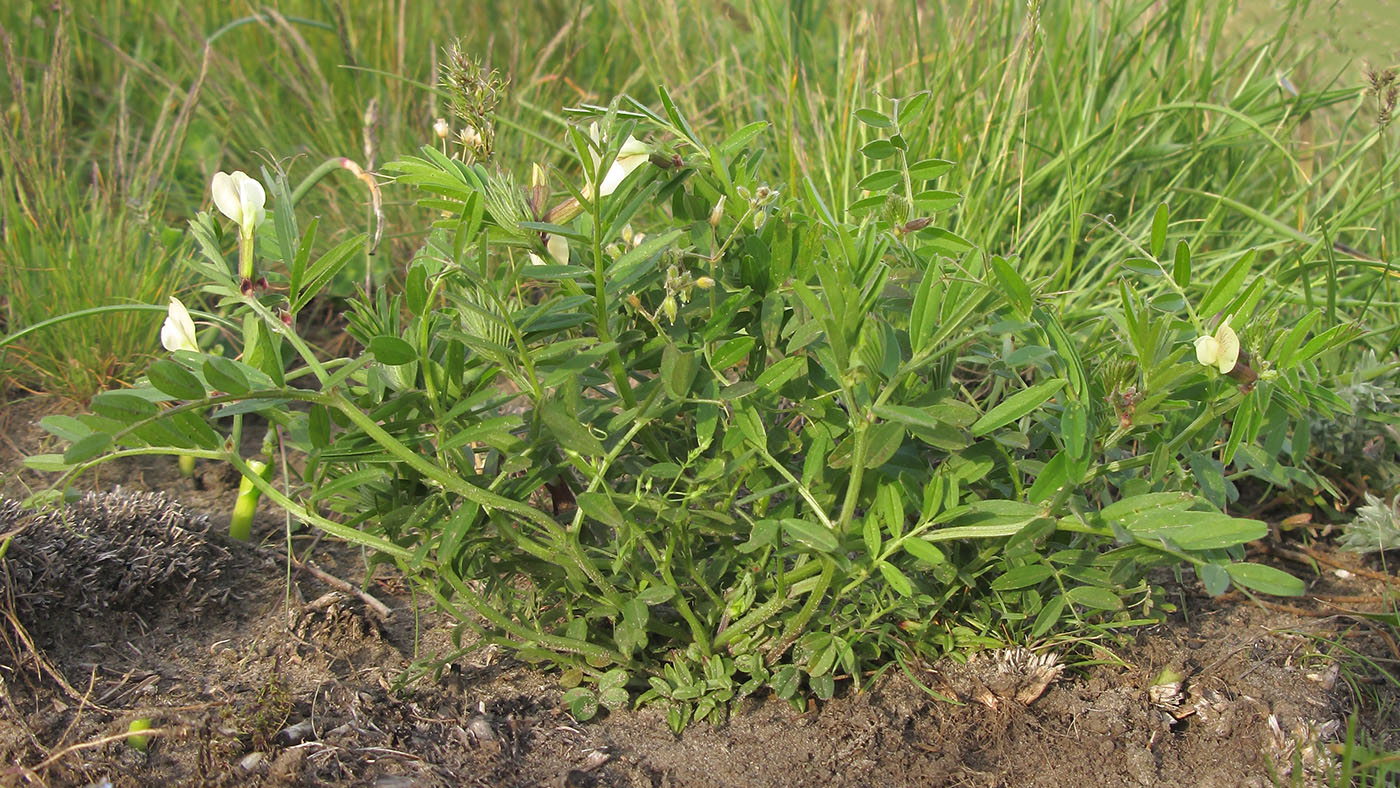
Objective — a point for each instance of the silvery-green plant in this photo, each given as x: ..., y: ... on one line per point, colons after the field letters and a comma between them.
x: 1375, y: 528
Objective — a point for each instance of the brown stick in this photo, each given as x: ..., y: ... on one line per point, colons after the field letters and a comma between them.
x: 329, y: 579
x: 1311, y: 554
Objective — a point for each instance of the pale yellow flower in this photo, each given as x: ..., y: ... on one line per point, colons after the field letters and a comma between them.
x: 177, y: 333
x: 1221, y: 351
x: 633, y: 154
x: 241, y: 199
x: 558, y: 247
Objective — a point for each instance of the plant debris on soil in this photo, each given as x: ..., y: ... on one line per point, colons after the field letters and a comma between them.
x: 255, y: 671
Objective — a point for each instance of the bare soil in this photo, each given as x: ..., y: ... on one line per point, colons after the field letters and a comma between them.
x: 256, y: 673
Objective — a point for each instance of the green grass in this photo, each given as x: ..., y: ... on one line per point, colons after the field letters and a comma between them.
x: 1068, y: 126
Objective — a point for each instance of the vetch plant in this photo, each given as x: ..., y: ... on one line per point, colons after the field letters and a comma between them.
x: 760, y: 443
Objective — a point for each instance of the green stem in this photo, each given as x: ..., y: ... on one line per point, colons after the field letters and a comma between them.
x: 424, y: 323
x: 798, y: 623
x: 450, y: 481
x: 322, y: 170
x: 527, y: 636
x: 102, y: 310
x: 857, y: 478
x: 240, y: 525
x: 338, y: 530
x: 697, y: 630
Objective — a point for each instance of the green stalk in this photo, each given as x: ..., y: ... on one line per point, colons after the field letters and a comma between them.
x: 322, y: 170
x: 527, y: 636
x: 798, y: 624
x: 240, y: 524
x: 471, y: 492
x: 102, y: 310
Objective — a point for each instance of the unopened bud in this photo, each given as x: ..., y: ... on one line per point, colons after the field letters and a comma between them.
x: 441, y: 129
x: 286, y: 318
x: 916, y: 225
x: 564, y: 212
x: 1243, y: 373
x: 539, y: 189
x: 627, y: 234
x: 717, y: 212
x: 704, y: 283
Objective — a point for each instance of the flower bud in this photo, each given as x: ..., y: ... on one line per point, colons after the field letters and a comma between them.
x: 717, y: 212
x: 704, y: 283
x: 539, y: 189
x: 441, y: 129
x: 665, y: 162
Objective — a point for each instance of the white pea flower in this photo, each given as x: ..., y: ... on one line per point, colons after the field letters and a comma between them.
x: 558, y: 247
x: 441, y: 129
x: 633, y: 154
x: 177, y: 333
x: 241, y: 199
x: 1221, y: 351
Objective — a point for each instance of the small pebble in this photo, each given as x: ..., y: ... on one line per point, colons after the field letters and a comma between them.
x: 252, y: 761
x: 295, y: 734
x: 481, y: 729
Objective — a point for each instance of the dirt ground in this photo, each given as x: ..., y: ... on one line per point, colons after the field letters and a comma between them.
x: 255, y: 673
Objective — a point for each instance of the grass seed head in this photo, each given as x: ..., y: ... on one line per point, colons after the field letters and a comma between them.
x: 474, y: 93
